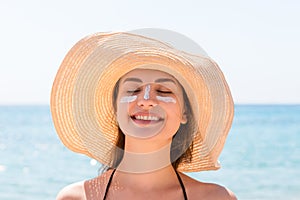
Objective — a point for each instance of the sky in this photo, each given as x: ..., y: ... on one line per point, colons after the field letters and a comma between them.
x: 256, y: 43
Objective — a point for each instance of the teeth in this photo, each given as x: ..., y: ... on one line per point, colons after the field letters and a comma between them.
x: 152, y: 118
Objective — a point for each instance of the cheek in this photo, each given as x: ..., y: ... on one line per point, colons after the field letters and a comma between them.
x: 175, y: 113
x: 172, y: 126
x: 124, y: 109
x: 121, y: 110
x: 176, y: 106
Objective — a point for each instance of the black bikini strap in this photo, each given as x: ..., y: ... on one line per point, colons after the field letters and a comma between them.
x: 112, y: 174
x: 108, y: 184
x: 182, y: 186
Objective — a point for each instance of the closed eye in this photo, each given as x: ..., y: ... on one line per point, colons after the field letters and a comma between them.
x: 133, y: 91
x: 164, y: 91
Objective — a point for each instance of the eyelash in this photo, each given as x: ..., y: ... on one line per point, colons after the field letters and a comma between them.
x: 133, y: 91
x: 164, y: 92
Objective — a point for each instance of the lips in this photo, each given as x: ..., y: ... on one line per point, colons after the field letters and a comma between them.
x: 146, y: 118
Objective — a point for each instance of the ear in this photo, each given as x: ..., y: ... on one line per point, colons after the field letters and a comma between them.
x: 183, y: 118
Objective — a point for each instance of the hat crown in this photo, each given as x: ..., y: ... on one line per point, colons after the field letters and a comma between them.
x: 175, y: 39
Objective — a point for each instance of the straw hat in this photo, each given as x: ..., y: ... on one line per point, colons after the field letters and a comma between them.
x: 81, y: 98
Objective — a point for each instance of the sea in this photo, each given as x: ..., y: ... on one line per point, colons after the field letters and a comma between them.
x: 260, y: 160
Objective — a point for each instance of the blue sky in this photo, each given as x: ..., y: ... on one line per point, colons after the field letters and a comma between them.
x: 256, y: 43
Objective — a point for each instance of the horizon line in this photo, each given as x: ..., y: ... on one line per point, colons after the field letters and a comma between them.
x: 241, y: 103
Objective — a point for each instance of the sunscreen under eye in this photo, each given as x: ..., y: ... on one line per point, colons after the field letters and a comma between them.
x: 128, y: 99
x: 166, y: 99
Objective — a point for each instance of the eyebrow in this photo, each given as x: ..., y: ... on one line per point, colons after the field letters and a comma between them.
x: 133, y: 79
x: 160, y: 80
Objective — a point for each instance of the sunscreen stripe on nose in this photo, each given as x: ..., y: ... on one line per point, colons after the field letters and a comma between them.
x: 147, y: 92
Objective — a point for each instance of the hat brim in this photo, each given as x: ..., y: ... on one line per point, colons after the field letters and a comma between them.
x: 82, y: 94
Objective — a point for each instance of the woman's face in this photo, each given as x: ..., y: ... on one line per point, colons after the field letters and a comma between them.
x: 149, y: 104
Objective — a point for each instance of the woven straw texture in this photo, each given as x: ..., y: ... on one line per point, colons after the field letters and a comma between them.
x: 82, y: 93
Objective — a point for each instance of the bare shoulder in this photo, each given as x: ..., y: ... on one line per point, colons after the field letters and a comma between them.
x: 85, y: 190
x: 95, y: 188
x: 201, y: 190
x: 219, y: 192
x: 73, y: 191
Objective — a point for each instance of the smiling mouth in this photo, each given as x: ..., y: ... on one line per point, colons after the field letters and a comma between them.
x: 146, y: 119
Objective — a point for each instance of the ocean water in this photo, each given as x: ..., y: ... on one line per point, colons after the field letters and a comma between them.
x: 260, y: 160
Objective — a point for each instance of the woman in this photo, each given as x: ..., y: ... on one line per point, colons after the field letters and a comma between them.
x: 147, y: 111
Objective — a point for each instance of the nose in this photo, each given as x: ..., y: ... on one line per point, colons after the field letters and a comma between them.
x: 147, y: 99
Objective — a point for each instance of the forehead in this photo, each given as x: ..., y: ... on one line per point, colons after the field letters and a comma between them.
x: 148, y: 76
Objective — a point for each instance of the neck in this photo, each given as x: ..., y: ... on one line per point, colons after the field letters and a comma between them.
x: 135, y: 161
x: 144, y: 164
x: 148, y: 180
